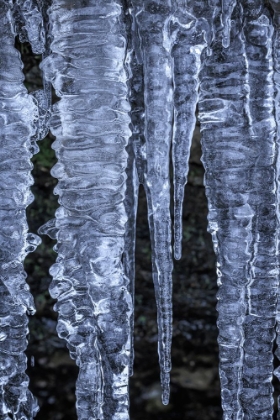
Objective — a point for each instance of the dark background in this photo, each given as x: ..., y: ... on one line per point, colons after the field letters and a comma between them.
x: 194, y: 378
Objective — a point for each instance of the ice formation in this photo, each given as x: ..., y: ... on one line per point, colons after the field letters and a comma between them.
x: 19, y: 124
x: 132, y: 76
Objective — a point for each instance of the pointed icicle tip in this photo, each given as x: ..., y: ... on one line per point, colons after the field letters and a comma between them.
x: 165, y: 384
x: 227, y: 9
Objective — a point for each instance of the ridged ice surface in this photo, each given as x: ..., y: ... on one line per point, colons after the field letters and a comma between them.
x: 91, y: 125
x: 129, y: 75
x: 18, y: 125
x: 236, y: 111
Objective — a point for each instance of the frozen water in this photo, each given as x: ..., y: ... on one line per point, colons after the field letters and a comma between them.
x: 91, y: 122
x: 130, y: 75
x: 18, y: 125
x: 156, y: 61
x: 238, y: 140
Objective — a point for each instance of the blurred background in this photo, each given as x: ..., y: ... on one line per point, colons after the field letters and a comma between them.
x: 195, y: 392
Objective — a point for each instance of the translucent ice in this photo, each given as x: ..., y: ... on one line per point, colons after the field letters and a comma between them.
x: 129, y: 75
x: 238, y: 142
x: 18, y: 125
x: 153, y: 24
x: 91, y: 123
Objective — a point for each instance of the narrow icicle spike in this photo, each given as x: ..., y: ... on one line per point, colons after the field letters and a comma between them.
x: 153, y: 21
x: 227, y: 9
x: 189, y: 39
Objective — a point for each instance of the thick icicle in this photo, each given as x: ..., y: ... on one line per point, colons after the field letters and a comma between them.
x: 259, y: 323
x: 91, y: 123
x: 276, y: 61
x: 153, y: 20
x: 18, y: 115
x: 189, y: 38
x: 238, y: 130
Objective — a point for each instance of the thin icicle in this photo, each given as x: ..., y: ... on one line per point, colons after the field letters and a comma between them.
x: 136, y: 97
x: 131, y: 202
x: 153, y: 21
x: 189, y: 39
x: 134, y: 164
x: 227, y: 9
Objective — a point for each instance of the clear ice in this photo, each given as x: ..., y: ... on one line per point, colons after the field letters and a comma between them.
x: 132, y: 77
x: 18, y: 128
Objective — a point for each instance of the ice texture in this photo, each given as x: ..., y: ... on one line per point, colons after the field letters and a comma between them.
x: 153, y: 26
x: 91, y: 125
x: 236, y: 111
x: 29, y: 24
x: 276, y: 61
x: 129, y: 75
x: 189, y: 32
x: 18, y: 125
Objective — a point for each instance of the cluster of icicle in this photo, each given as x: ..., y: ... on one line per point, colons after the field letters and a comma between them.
x: 130, y: 75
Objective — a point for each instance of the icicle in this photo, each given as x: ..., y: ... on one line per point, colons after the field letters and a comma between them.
x: 43, y: 7
x: 276, y: 61
x: 153, y: 24
x: 29, y: 24
x: 227, y: 9
x: 136, y: 98
x: 261, y: 293
x: 134, y: 162
x: 18, y: 114
x: 223, y: 129
x: 131, y: 202
x: 237, y: 105
x: 189, y: 36
x: 91, y: 123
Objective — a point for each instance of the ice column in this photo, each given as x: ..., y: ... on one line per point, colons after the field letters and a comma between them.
x: 238, y: 142
x: 259, y: 323
x: 276, y: 58
x: 91, y: 123
x: 18, y: 124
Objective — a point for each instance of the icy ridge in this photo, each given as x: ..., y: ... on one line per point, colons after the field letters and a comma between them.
x: 238, y: 142
x: 261, y: 293
x: 18, y: 125
x: 276, y: 64
x: 91, y: 123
